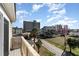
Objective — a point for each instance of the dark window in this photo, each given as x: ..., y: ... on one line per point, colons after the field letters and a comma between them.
x: 6, y: 37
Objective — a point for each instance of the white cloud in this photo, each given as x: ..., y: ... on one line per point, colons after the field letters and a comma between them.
x: 60, y: 12
x: 21, y: 19
x: 21, y: 15
x: 38, y: 20
x: 19, y: 12
x: 53, y: 18
x: 67, y: 21
x: 51, y: 6
x: 48, y: 16
x: 36, y: 7
x: 55, y: 6
x: 56, y: 9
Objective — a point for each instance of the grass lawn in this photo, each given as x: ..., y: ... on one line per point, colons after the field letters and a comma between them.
x: 76, y: 51
x: 59, y: 42
x: 45, y: 52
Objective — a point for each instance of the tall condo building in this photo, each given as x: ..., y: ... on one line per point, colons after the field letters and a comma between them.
x: 28, y: 26
x: 58, y: 28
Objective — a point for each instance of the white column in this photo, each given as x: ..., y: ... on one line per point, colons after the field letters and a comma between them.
x: 1, y: 35
x: 10, y: 35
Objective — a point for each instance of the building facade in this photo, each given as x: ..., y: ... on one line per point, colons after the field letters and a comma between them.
x: 28, y: 26
x: 7, y: 16
x: 58, y: 28
x: 65, y: 29
x: 46, y: 28
x: 16, y: 30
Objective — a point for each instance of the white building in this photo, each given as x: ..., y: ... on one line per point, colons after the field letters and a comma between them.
x: 16, y: 30
x: 46, y: 28
x: 74, y: 33
x: 7, y: 16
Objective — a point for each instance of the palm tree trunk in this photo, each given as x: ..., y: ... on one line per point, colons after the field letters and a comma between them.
x: 65, y: 47
x: 65, y: 43
x: 34, y: 43
x: 38, y: 50
x: 70, y: 50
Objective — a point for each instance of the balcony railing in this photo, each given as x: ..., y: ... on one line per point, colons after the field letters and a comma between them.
x: 25, y: 48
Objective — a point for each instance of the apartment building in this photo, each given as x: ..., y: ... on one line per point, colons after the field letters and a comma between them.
x: 16, y: 30
x: 28, y: 26
x: 7, y: 16
x: 65, y: 29
x: 58, y: 28
x: 46, y: 28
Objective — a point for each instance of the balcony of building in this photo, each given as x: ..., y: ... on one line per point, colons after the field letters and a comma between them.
x: 21, y: 47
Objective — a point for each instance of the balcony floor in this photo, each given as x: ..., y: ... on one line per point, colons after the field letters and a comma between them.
x: 15, y: 52
x: 16, y: 42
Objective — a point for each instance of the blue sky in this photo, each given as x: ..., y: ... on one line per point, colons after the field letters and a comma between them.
x: 48, y: 14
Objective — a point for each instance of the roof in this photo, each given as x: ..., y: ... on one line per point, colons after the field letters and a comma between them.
x: 10, y: 10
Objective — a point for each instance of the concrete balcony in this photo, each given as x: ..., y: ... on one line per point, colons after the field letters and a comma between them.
x: 21, y: 47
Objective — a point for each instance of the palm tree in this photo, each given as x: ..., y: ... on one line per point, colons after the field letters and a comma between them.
x: 72, y: 43
x: 34, y: 34
x: 77, y: 43
x: 64, y: 43
x: 38, y: 44
x: 64, y: 34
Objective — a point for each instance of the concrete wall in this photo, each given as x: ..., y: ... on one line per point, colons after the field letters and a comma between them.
x: 2, y: 30
x: 10, y: 34
x: 1, y: 34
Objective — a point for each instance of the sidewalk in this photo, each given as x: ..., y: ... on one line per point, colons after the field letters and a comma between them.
x: 52, y: 48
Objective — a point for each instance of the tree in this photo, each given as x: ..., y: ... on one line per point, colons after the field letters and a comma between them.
x: 54, y: 31
x: 38, y: 44
x: 64, y: 42
x: 72, y: 43
x: 34, y: 34
x: 77, y: 43
x: 64, y: 34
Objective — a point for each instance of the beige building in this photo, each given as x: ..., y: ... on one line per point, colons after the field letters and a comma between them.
x: 7, y: 16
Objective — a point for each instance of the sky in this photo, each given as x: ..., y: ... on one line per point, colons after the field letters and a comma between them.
x: 48, y: 14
